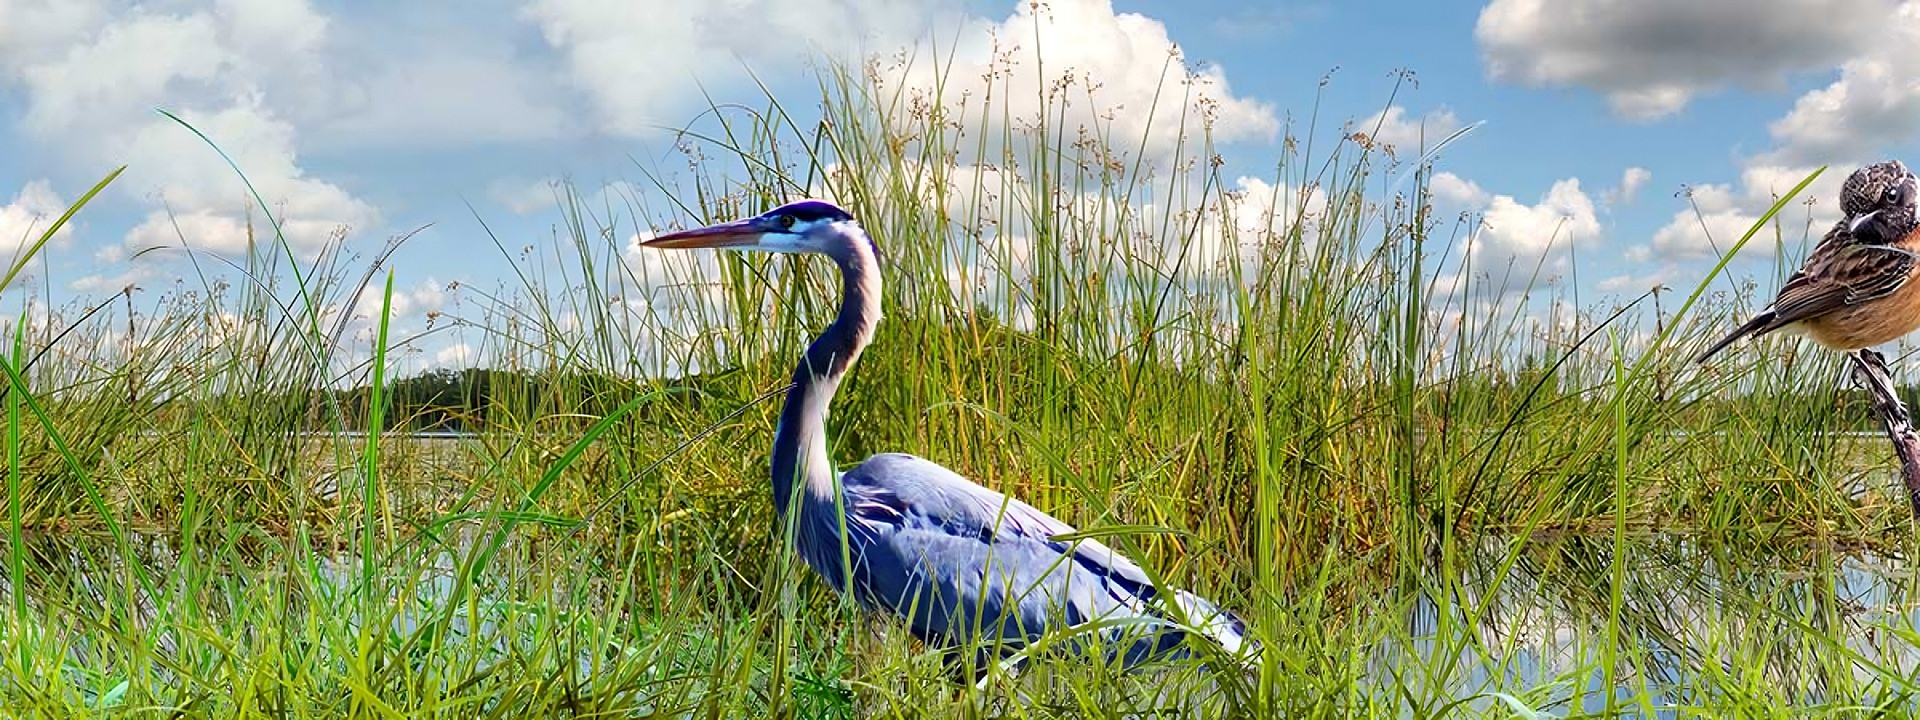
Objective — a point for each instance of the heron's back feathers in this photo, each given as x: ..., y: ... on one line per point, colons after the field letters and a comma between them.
x: 1221, y: 624
x: 962, y: 562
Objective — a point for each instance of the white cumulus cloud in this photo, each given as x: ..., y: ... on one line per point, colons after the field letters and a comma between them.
x: 523, y: 197
x: 198, y: 182
x: 650, y: 63
x: 1719, y: 214
x: 94, y: 71
x: 1458, y: 191
x: 272, y: 83
x: 1519, y: 245
x: 1631, y: 180
x: 24, y: 220
x: 1409, y: 135
x: 1651, y: 57
x: 1114, y: 75
x: 1873, y: 104
x: 457, y: 356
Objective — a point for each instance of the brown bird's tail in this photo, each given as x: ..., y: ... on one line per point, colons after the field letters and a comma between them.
x: 1758, y: 325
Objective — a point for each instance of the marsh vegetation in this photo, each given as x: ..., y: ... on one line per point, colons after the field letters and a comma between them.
x: 1434, y: 489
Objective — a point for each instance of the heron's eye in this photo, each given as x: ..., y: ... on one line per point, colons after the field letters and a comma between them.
x: 786, y: 222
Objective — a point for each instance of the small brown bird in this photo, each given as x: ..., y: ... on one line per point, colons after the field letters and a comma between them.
x: 1856, y: 288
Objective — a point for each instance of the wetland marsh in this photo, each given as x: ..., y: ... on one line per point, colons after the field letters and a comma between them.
x: 1428, y: 496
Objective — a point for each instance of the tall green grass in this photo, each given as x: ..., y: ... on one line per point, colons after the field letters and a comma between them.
x: 1395, y: 478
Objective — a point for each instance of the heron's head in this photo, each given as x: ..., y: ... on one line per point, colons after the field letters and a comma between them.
x: 1882, y: 202
x: 806, y: 226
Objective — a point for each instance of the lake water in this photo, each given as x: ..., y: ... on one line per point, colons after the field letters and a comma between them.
x: 1699, y: 625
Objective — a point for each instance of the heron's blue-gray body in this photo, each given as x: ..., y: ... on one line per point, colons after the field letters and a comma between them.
x: 957, y: 561
x: 961, y: 562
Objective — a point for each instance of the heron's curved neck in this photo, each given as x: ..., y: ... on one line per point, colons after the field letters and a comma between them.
x: 800, y: 457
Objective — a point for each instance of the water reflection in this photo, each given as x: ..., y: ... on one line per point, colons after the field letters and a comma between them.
x: 1665, y: 626
x: 1698, y: 626
x: 155, y: 606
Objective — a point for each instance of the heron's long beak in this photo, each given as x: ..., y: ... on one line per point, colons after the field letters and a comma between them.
x: 736, y: 234
x: 1853, y: 227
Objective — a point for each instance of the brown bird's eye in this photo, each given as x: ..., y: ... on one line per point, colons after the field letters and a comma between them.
x: 1893, y: 194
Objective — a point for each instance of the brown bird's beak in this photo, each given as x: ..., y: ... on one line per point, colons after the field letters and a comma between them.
x: 1854, y: 225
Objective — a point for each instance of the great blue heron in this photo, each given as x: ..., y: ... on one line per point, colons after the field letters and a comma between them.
x: 958, y: 562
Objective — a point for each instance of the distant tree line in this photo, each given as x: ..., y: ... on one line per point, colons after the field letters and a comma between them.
x: 470, y: 400
x: 473, y: 398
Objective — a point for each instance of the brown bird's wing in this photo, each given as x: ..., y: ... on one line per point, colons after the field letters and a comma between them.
x: 1838, y: 274
x: 1854, y: 274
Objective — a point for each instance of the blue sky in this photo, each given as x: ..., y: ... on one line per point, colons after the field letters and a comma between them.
x: 387, y: 116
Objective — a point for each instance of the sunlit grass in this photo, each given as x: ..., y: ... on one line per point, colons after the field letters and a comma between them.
x: 1426, y: 500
